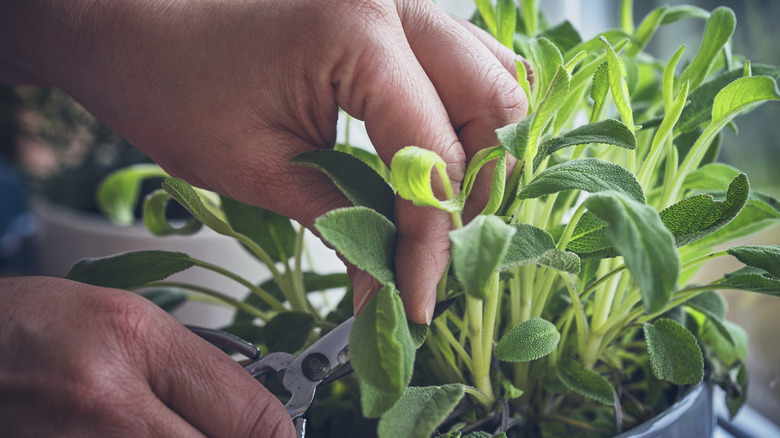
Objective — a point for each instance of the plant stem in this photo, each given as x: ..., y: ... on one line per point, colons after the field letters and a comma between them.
x: 240, y: 305
x: 257, y: 290
x: 444, y: 331
x: 481, y: 365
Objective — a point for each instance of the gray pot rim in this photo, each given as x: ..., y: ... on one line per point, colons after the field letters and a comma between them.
x: 692, y: 415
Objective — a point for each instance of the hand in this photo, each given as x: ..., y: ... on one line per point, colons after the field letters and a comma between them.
x: 225, y: 93
x: 76, y: 360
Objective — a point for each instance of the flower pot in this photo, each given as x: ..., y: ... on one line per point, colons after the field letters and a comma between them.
x: 691, y: 416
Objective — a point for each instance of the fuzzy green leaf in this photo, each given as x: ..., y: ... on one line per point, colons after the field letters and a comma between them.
x: 720, y: 26
x: 506, y: 17
x: 514, y: 137
x: 647, y: 29
x: 374, y: 403
x: 701, y: 215
x: 638, y: 234
x: 674, y: 353
x: 589, y: 238
x: 585, y: 382
x: 157, y: 223
x: 479, y: 160
x: 741, y: 94
x: 419, y: 333
x: 617, y: 85
x: 753, y: 280
x: 587, y: 174
x: 712, y: 176
x: 766, y: 257
x: 411, y: 168
x: 607, y: 131
x: 594, y: 45
x: 710, y: 303
x: 548, y: 60
x: 273, y: 232
x: 528, y: 341
x: 118, y: 194
x: 129, y: 270
x: 599, y: 90
x: 287, y: 331
x: 758, y: 213
x: 477, y: 250
x: 730, y: 348
x: 381, y: 348
x: 186, y: 195
x: 530, y: 245
x: 553, y: 100
x: 564, y: 35
x: 360, y: 183
x: 420, y: 411
x: 676, y: 13
x: 362, y: 236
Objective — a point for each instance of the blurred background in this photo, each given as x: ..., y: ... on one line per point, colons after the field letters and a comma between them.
x: 53, y: 154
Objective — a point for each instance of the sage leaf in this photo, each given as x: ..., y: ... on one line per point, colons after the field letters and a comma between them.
x: 741, y: 94
x: 766, y: 257
x: 118, y: 194
x: 129, y: 270
x: 273, y: 232
x: 589, y: 238
x: 716, y: 176
x: 609, y: 131
x: 420, y: 411
x: 676, y: 13
x: 753, y: 280
x: 587, y: 174
x: 717, y: 32
x: 730, y: 348
x: 374, y: 403
x: 155, y: 220
x: 712, y: 306
x: 599, y: 90
x: 362, y: 236
x: 735, y: 401
x: 360, y: 183
x: 647, y: 29
x: 594, y: 45
x: 411, y: 168
x: 514, y: 137
x: 477, y: 250
x: 530, y: 245
x: 617, y: 85
x: 548, y: 60
x: 553, y: 100
x: 381, y: 348
x: 585, y: 382
x: 481, y: 158
x: 759, y: 212
x: 638, y: 234
x: 287, y: 331
x: 506, y: 17
x: 419, y: 333
x: 700, y: 215
x: 564, y: 35
x: 186, y: 195
x: 674, y: 353
x: 528, y: 341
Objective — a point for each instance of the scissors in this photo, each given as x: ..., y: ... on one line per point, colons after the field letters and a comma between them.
x: 323, y: 362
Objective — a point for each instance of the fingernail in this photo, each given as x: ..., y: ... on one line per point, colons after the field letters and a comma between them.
x: 429, y: 309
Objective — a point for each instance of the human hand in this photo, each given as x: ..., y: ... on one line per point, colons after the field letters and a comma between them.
x: 76, y: 360
x: 225, y: 93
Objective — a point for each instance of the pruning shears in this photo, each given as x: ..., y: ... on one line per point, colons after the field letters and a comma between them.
x: 323, y: 362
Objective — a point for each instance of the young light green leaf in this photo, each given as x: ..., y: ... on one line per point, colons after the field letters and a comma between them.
x: 609, y: 131
x: 514, y: 137
x: 272, y: 232
x: 638, y: 234
x: 585, y: 382
x: 381, y: 348
x: 530, y: 245
x: 185, y: 195
x: 528, y: 341
x: 548, y: 60
x: 741, y: 94
x: 118, y: 194
x: 420, y: 411
x: 720, y: 26
x: 712, y: 176
x: 594, y: 45
x: 129, y: 270
x: 357, y: 180
x: 157, y: 223
x: 506, y: 17
x: 667, y: 82
x: 497, y: 187
x: 617, y: 85
x: 766, y: 257
x: 711, y: 303
x: 676, y: 13
x: 588, y: 174
x: 700, y: 215
x: 599, y: 90
x: 522, y: 80
x: 411, y: 168
x: 362, y: 236
x: 730, y: 349
x: 564, y: 35
x: 374, y: 403
x: 488, y: 13
x: 548, y: 107
x: 287, y: 331
x: 647, y: 29
x: 674, y: 353
x: 481, y: 158
x: 477, y: 250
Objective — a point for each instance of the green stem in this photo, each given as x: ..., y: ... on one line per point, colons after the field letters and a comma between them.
x: 240, y: 305
x: 481, y: 365
x: 491, y: 313
x: 444, y: 331
x: 257, y: 290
